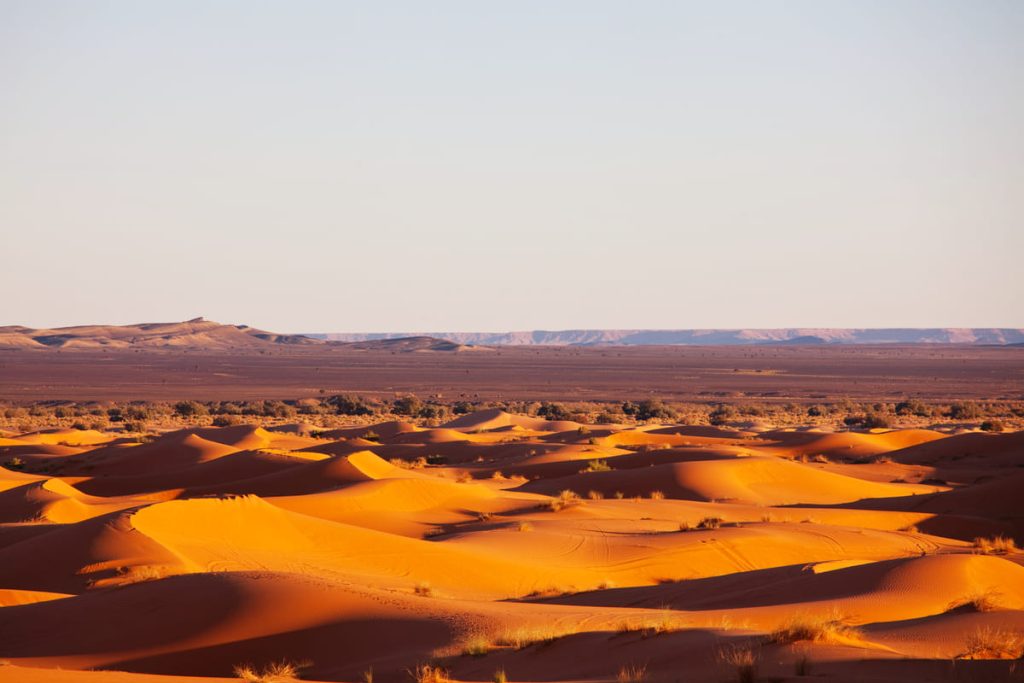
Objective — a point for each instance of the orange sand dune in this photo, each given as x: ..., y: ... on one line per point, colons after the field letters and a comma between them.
x: 499, y: 541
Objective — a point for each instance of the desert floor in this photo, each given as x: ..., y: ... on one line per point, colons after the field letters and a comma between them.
x: 549, y: 551
x: 566, y: 373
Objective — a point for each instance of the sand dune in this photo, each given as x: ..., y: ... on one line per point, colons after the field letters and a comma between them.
x: 548, y: 551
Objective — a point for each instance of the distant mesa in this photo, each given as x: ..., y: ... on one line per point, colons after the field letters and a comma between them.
x: 409, y: 345
x: 711, y: 337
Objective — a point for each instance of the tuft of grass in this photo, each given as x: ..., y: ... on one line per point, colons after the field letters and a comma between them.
x: 595, y: 495
x: 596, y: 466
x: 499, y: 676
x: 368, y: 675
x: 632, y: 673
x: 275, y: 672
x: 565, y: 499
x: 524, y: 526
x: 425, y: 673
x: 994, y: 643
x: 743, y: 658
x: 709, y: 523
x: 997, y: 545
x: 524, y: 637
x: 423, y: 588
x: 476, y: 645
x: 831, y: 630
x: 657, y: 495
x: 981, y: 601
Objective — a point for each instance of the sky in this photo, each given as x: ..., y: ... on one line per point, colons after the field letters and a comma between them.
x: 329, y: 166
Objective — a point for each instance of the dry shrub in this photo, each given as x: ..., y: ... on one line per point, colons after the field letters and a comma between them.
x: 743, y: 658
x: 596, y: 466
x: 994, y: 643
x: 997, y: 545
x: 524, y: 526
x: 830, y: 630
x: 423, y: 588
x: 710, y: 523
x: 657, y: 495
x: 476, y: 645
x: 277, y: 672
x: 981, y: 601
x: 523, y: 637
x: 632, y: 673
x: 565, y: 499
x: 595, y: 495
x: 499, y: 676
x: 425, y: 673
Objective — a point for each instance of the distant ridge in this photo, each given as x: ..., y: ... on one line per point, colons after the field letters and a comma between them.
x: 197, y: 333
x: 794, y: 336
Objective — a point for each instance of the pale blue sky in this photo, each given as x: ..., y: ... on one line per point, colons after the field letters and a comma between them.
x: 343, y: 166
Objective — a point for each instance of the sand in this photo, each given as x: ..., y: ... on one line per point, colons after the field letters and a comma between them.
x: 200, y: 550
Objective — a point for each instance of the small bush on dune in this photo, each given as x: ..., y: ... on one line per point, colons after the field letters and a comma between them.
x: 829, y: 630
x: 998, y: 545
x: 499, y: 676
x: 710, y: 523
x: 476, y: 645
x: 994, y: 643
x: 425, y: 673
x: 982, y: 601
x: 564, y: 500
x: 743, y: 658
x: 279, y: 672
x: 632, y: 673
x: 596, y: 466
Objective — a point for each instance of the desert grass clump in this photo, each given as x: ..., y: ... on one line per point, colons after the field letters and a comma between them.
x: 499, y: 676
x: 524, y: 526
x: 523, y: 637
x: 994, y: 643
x: 829, y: 630
x: 657, y: 495
x: 596, y: 466
x: 997, y: 545
x: 423, y: 589
x: 476, y: 645
x: 980, y: 601
x: 632, y: 673
x: 565, y: 499
x: 709, y: 523
x: 276, y: 672
x: 743, y: 658
x: 426, y: 673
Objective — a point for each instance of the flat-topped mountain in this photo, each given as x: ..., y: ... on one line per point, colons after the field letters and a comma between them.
x: 946, y: 335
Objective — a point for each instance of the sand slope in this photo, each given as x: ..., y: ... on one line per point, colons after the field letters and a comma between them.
x: 552, y: 552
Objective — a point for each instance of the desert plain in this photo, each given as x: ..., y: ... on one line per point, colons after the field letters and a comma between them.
x: 511, y: 541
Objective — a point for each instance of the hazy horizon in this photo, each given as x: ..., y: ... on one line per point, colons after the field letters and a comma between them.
x: 395, y: 166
